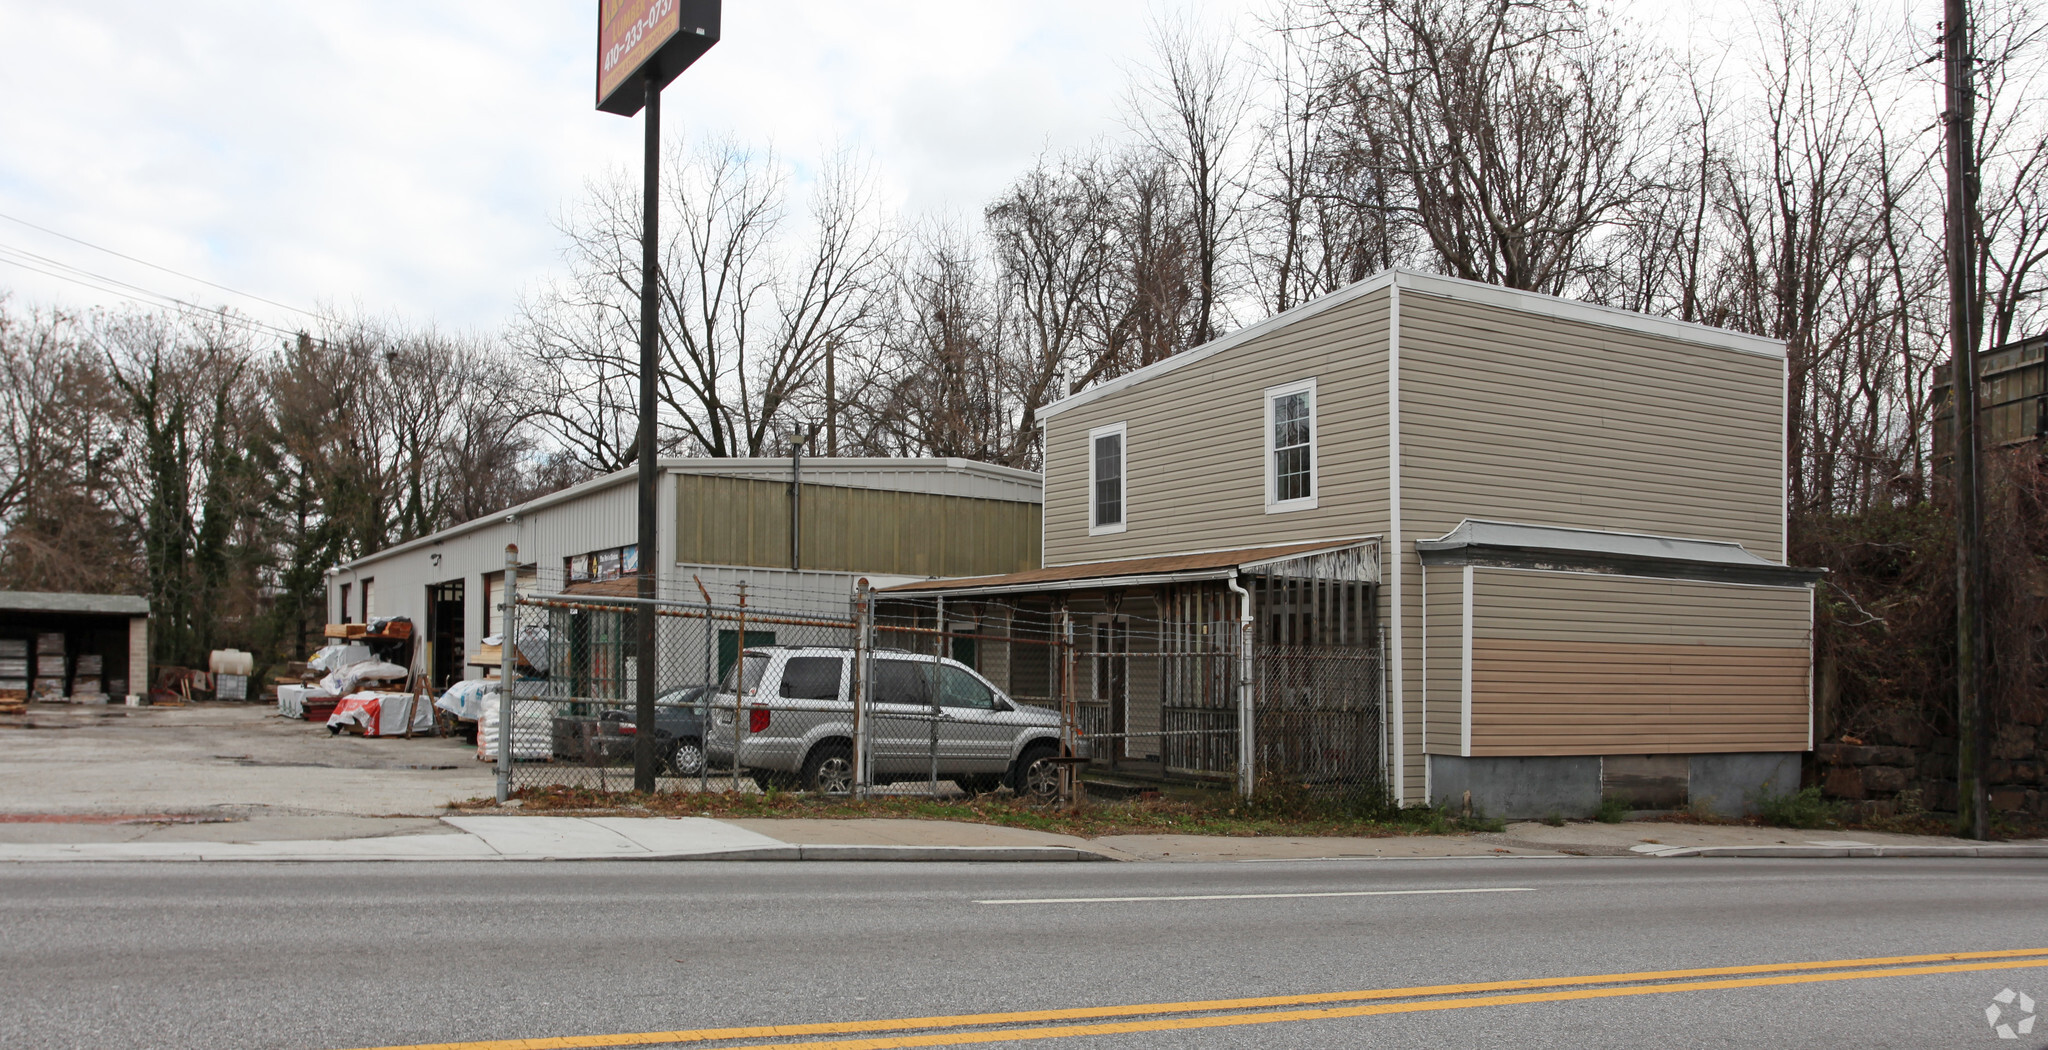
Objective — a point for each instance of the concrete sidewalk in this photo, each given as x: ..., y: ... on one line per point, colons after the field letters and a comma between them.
x: 699, y: 838
x: 589, y: 838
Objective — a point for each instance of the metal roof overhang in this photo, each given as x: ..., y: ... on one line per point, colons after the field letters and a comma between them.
x: 1512, y: 545
x: 1137, y: 572
x: 92, y: 604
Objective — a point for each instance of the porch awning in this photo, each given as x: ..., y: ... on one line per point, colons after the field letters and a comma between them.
x: 1514, y: 545
x: 1355, y: 559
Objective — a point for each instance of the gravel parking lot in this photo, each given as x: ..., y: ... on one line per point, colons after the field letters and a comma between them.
x: 218, y: 759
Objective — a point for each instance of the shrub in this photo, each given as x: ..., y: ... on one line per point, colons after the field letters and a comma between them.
x: 1804, y: 808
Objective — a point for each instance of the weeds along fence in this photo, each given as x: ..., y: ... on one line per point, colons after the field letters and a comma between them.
x: 889, y: 694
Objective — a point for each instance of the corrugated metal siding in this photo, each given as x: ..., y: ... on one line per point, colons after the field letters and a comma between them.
x: 931, y: 476
x: 1580, y: 664
x: 1195, y: 462
x: 1519, y: 417
x: 741, y: 521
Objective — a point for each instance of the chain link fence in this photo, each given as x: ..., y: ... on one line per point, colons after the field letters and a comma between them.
x: 926, y: 696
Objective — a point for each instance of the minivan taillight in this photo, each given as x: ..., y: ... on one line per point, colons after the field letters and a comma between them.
x: 757, y: 720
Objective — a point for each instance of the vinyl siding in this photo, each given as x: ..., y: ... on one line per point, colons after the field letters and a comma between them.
x: 1441, y: 669
x: 1583, y: 664
x: 1520, y: 417
x: 1195, y: 458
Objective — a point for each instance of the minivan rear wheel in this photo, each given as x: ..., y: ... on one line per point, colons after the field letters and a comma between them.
x: 829, y: 770
x: 1037, y: 773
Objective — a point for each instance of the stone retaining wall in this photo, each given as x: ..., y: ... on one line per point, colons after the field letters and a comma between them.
x: 1913, y: 769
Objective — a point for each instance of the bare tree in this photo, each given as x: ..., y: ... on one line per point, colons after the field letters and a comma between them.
x: 751, y: 309
x: 1515, y: 127
x: 1191, y: 111
x: 2011, y: 140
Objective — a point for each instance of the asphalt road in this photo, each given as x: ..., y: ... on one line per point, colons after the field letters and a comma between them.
x: 375, y: 955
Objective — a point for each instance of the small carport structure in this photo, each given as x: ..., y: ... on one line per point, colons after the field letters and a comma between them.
x: 73, y: 644
x: 1150, y: 649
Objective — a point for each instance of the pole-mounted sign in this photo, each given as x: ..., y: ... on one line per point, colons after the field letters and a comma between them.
x: 642, y: 40
x: 641, y: 46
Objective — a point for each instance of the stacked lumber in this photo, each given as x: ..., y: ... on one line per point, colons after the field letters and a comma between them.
x: 14, y: 670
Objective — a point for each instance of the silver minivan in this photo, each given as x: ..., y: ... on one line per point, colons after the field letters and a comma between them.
x: 798, y: 731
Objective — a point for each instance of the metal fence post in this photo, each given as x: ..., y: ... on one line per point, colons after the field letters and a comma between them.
x: 938, y: 652
x: 863, y: 646
x: 709, y: 694
x: 508, y: 662
x: 1068, y: 728
x: 739, y: 685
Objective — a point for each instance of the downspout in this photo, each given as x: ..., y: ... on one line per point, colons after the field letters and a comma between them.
x: 1245, y: 773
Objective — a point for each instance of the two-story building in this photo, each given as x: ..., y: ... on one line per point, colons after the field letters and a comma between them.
x: 1551, y: 535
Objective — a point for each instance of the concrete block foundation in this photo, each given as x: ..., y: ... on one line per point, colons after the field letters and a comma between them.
x: 1532, y: 787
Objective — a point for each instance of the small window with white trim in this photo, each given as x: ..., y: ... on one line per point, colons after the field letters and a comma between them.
x: 1291, y: 446
x: 1106, y: 479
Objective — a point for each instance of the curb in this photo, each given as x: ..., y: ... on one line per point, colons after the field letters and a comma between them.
x: 1846, y: 851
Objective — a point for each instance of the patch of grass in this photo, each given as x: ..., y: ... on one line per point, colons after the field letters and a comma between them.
x: 1804, y: 808
x: 1278, y: 809
x: 1554, y: 819
x: 1612, y: 810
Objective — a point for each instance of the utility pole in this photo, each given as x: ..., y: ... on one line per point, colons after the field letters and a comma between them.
x: 1959, y: 115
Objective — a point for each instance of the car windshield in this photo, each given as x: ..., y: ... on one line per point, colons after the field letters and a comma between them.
x: 745, y: 676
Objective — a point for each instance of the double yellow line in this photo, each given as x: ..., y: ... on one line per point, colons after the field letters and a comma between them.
x: 1273, y: 1009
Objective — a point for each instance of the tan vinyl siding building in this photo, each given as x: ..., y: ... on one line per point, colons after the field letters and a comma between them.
x: 1580, y: 663
x: 1194, y: 465
x: 1652, y: 451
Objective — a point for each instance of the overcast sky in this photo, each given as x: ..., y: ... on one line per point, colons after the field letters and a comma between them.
x: 410, y: 159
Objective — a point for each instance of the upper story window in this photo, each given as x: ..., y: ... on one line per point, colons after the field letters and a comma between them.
x: 1106, y: 479
x: 1291, y: 446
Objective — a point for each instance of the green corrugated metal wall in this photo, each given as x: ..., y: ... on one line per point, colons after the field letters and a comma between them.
x: 742, y: 521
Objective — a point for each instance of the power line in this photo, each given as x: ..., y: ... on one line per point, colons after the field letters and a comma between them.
x: 115, y: 286
x: 156, y: 266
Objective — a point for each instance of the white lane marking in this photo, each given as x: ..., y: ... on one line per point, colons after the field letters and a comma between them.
x: 1253, y: 896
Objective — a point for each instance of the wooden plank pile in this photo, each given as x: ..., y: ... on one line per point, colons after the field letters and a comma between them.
x: 13, y: 676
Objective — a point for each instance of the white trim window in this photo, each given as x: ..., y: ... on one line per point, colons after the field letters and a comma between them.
x: 1106, y: 490
x: 1290, y: 446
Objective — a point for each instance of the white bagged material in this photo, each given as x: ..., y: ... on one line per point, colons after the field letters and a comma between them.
x: 335, y: 657
x: 467, y: 699
x: 532, y: 725
x: 533, y: 647
x: 355, y: 676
